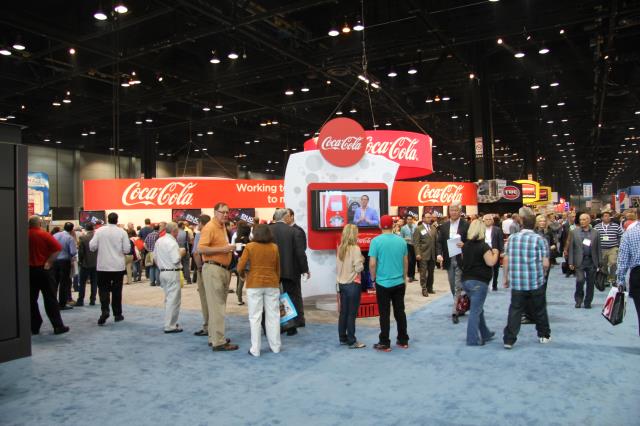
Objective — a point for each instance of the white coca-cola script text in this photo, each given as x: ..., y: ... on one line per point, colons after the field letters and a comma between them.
x: 172, y: 194
x: 447, y: 195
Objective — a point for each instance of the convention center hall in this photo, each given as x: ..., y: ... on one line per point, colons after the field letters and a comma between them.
x: 320, y: 212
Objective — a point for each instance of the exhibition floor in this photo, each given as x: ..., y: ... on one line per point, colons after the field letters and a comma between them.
x: 132, y: 373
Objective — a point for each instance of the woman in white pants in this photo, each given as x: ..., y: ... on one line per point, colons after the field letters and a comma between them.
x: 263, y: 287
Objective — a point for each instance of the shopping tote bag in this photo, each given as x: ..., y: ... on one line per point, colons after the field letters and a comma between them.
x: 615, y: 306
x: 287, y: 309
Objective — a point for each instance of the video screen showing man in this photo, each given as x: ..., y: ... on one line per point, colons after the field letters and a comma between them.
x: 365, y: 215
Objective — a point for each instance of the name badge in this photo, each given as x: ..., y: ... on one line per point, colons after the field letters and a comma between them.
x: 605, y: 238
x: 586, y: 242
x: 423, y: 232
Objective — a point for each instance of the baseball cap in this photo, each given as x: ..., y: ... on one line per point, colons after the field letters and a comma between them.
x: 386, y: 222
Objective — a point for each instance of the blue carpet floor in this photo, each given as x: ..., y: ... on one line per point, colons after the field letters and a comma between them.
x: 131, y: 373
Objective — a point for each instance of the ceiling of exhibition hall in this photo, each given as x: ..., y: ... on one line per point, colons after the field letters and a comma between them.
x: 252, y: 80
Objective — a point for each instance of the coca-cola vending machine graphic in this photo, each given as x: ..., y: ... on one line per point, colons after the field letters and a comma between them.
x: 335, y: 208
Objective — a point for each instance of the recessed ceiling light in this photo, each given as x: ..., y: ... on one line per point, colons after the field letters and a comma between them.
x: 549, y: 121
x: 446, y: 98
x: 544, y: 106
x: 210, y: 132
x: 5, y: 52
x: 499, y: 41
x: 47, y: 140
x: 121, y: 8
x: 56, y: 104
x: 288, y: 92
x: 100, y: 16
x: 334, y: 32
x: 392, y: 74
x: 429, y: 100
x: 138, y: 122
x: 554, y: 84
x: 233, y: 55
x: 247, y: 142
x: 454, y: 116
x: 219, y: 106
x: 562, y: 31
x: 543, y: 51
x: 560, y: 103
x: 358, y: 26
x: 564, y: 120
x: 387, y: 124
x: 338, y: 112
x: 19, y: 46
x: 412, y: 70
x: 519, y: 55
x: 206, y: 109
x: 304, y: 89
x: 200, y: 135
x: 58, y: 142
x: 346, y: 29
x: 353, y: 110
x: 84, y: 134
x: 214, y: 60
x: 148, y: 120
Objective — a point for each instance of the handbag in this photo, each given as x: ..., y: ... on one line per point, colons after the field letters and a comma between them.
x: 601, y: 280
x: 565, y: 268
x: 615, y: 305
x: 288, y: 312
x: 148, y: 259
x: 464, y: 304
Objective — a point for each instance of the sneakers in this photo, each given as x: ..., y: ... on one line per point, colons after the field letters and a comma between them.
x: 508, y: 345
x: 382, y: 348
x: 402, y: 345
x: 545, y: 340
x: 118, y: 318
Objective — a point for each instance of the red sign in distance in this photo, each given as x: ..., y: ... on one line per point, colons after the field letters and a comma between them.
x: 342, y: 142
x: 511, y: 192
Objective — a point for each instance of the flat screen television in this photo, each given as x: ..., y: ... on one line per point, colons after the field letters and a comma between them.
x: 332, y: 209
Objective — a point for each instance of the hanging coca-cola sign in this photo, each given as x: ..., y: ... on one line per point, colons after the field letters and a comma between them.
x: 342, y: 142
x: 412, y: 151
x: 434, y: 193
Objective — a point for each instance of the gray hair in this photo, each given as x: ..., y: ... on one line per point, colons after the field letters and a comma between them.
x: 280, y: 214
x: 456, y: 205
x: 526, y: 211
x: 35, y: 221
x: 171, y: 226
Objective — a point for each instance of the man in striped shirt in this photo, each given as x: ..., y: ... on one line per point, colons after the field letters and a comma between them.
x: 610, y: 235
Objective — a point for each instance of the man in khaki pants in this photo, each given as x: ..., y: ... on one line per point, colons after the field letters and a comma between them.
x: 197, y: 258
x: 216, y: 254
x: 610, y: 236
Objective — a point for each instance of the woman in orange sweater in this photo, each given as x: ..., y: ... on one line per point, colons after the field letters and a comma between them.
x: 263, y: 287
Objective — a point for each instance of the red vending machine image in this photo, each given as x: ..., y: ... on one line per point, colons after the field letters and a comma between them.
x: 335, y: 208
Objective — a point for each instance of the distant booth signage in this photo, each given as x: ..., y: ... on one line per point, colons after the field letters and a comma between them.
x: 530, y: 191
x: 94, y: 217
x: 499, y: 196
x: 186, y: 215
x: 38, y: 193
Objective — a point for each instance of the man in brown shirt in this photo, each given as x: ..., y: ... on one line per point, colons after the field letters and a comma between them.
x: 216, y: 252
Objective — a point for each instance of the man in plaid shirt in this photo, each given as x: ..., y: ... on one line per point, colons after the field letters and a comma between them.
x: 526, y: 258
x: 629, y: 260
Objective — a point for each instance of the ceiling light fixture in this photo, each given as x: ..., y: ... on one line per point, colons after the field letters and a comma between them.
x: 338, y: 112
x: 392, y: 73
x: 535, y: 86
x: 100, y: 16
x: 56, y: 103
x: 18, y: 46
x: 446, y: 98
x: 472, y: 76
x: 358, y: 26
x: 304, y: 89
x: 288, y: 92
x: 121, y: 9
x: 560, y: 103
x: 429, y: 100
x: 5, y: 52
x: 519, y: 55
x: 562, y: 31
x: 544, y: 106
x: 543, y: 51
x: 554, y: 84
x: 214, y: 60
x: 353, y: 110
x: 499, y: 41
x: 210, y: 132
x: 333, y: 32
x: 148, y: 120
x: 412, y: 70
x: 233, y: 55
x: 138, y: 122
x: 346, y: 29
x: 219, y: 106
x: 206, y: 109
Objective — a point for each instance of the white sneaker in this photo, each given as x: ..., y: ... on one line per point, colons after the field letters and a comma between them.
x: 544, y: 340
x: 507, y: 346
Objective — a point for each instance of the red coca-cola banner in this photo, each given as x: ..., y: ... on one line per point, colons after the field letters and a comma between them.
x: 412, y: 151
x: 195, y: 193
x: 433, y: 193
x: 342, y: 142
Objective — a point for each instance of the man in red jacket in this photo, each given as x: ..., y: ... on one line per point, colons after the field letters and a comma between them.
x: 43, y: 250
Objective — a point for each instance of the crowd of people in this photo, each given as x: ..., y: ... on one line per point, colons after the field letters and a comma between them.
x: 271, y: 259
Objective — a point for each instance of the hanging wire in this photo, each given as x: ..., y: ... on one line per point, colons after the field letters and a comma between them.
x: 365, y: 62
x: 186, y: 160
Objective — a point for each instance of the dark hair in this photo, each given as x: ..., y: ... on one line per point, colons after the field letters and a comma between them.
x: 89, y: 227
x: 204, y: 219
x: 138, y: 228
x: 112, y: 218
x: 156, y: 227
x: 262, y: 234
x: 291, y: 213
x: 219, y: 205
x: 132, y: 233
x: 68, y: 226
x: 364, y: 195
x: 55, y: 230
x: 243, y: 232
x: 528, y: 221
x: 180, y: 225
x: 147, y: 221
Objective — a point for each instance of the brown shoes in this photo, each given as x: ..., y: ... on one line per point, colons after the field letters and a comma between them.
x: 225, y: 348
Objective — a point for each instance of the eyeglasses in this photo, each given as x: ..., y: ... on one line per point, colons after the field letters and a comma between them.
x: 223, y: 212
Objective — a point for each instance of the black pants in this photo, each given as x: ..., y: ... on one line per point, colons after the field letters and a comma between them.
x: 519, y: 300
x: 411, y: 273
x: 62, y: 273
x: 426, y: 273
x: 92, y: 276
x: 294, y: 289
x: 110, y: 286
x: 634, y: 291
x: 186, y: 267
x: 386, y: 297
x: 496, y: 271
x: 41, y: 281
x: 585, y: 274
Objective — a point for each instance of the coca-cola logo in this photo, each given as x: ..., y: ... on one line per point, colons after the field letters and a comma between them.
x: 511, y: 192
x: 402, y: 148
x: 443, y: 196
x: 171, y: 194
x: 341, y: 142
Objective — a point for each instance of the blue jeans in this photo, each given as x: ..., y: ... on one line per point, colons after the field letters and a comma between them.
x: 349, y: 304
x: 477, y: 331
x: 154, y: 275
